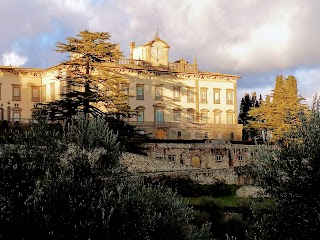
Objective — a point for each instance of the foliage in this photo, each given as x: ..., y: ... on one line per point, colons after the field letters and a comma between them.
x: 90, y: 86
x: 276, y: 116
x: 246, y: 104
x: 71, y: 186
x: 222, y: 221
x: 289, y: 172
x: 189, y: 188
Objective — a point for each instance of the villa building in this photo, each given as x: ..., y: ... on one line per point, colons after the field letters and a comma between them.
x: 174, y: 100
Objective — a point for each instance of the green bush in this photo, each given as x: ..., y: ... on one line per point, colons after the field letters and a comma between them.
x: 189, y: 188
x: 289, y: 173
x: 71, y: 186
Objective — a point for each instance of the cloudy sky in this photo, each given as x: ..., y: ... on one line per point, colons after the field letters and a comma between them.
x: 255, y: 39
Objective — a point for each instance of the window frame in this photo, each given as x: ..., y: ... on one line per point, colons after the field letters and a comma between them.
x: 172, y: 157
x: 204, y: 95
x: 138, y: 96
x: 190, y: 94
x: 52, y: 91
x: 37, y: 98
x: 44, y: 93
x: 190, y: 115
x: 176, y: 91
x: 16, y: 97
x: 218, y: 158
x: 216, y: 95
x: 177, y: 116
x: 229, y: 96
x: 204, y: 116
x: 158, y: 92
x: 230, y: 117
x: 161, y: 111
x: 217, y: 113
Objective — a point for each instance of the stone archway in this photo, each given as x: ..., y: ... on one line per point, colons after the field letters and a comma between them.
x: 195, y: 162
x: 161, y: 133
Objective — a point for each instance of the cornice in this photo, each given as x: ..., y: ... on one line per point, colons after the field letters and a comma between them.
x: 185, y: 75
x: 34, y: 72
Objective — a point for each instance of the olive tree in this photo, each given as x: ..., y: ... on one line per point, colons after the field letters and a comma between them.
x: 289, y: 175
x: 71, y: 185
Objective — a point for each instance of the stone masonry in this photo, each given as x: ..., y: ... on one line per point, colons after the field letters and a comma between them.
x: 202, y: 162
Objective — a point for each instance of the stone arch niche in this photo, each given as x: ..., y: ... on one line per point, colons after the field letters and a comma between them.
x: 195, y: 162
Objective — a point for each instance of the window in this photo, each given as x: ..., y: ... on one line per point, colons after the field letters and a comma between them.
x: 216, y: 95
x: 232, y: 136
x: 190, y: 94
x: 193, y: 135
x: 124, y: 87
x: 159, y: 116
x: 176, y: 94
x: 204, y: 116
x: 16, y: 92
x: 219, y: 135
x: 203, y: 95
x: 229, y: 117
x: 229, y: 96
x: 16, y: 116
x: 206, y: 135
x: 217, y: 116
x: 1, y: 113
x: 218, y: 158
x: 140, y: 113
x: 52, y: 91
x: 172, y: 158
x: 159, y: 93
x: 8, y: 113
x: 140, y: 116
x: 35, y: 92
x: 43, y: 93
x: 16, y: 112
x: 240, y: 158
x: 190, y: 116
x: 140, y: 92
x: 177, y: 116
x: 179, y: 135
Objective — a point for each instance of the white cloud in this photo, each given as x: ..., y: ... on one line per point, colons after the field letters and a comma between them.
x: 249, y: 37
x: 13, y: 59
x: 308, y: 83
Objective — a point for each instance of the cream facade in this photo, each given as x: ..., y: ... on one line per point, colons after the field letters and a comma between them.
x: 173, y: 100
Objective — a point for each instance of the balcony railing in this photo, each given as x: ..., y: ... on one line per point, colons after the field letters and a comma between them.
x: 183, y: 124
x: 140, y: 64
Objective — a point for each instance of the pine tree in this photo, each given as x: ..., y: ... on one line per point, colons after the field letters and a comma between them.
x: 246, y: 104
x: 279, y: 112
x: 90, y: 86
